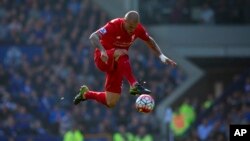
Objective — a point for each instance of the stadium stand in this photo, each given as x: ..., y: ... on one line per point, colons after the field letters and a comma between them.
x: 195, y: 11
x: 232, y: 107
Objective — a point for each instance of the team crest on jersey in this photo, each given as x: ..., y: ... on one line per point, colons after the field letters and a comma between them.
x: 103, y: 30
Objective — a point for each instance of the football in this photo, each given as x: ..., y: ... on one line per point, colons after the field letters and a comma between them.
x: 144, y: 103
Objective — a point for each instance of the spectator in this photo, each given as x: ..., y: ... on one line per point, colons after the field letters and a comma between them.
x: 207, y: 14
x: 222, y: 12
x: 123, y: 134
x: 180, y: 13
x: 37, y: 128
x: 247, y: 85
x: 204, y: 129
x: 13, y: 57
x: 142, y: 134
x: 73, y: 135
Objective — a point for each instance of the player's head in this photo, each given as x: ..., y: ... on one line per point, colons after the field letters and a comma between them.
x: 131, y: 21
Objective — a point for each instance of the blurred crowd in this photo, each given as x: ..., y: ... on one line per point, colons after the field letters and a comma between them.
x: 215, y: 113
x: 37, y: 89
x: 195, y: 11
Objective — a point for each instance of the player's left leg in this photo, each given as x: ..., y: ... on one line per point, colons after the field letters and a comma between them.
x: 80, y: 95
x: 125, y: 68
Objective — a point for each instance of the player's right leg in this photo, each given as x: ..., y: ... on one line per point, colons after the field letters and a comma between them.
x: 108, y: 99
x: 112, y: 98
x: 80, y: 96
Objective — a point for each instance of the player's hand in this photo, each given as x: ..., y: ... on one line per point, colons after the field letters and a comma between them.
x: 104, y: 56
x: 120, y: 52
x: 171, y: 62
x: 166, y: 60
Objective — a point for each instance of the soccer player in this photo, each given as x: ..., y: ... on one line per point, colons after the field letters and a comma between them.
x: 112, y: 42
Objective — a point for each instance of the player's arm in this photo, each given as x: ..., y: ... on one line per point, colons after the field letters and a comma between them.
x: 95, y: 41
x: 154, y: 46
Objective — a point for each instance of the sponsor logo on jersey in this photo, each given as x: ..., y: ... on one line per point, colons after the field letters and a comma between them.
x: 103, y: 30
x: 122, y: 44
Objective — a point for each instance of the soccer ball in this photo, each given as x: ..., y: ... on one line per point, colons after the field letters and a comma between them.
x: 144, y: 103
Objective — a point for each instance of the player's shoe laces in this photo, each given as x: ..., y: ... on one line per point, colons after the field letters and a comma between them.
x: 138, y: 89
x: 79, y: 97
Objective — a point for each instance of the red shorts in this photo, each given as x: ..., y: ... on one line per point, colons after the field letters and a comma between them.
x: 100, y: 64
x: 113, y: 70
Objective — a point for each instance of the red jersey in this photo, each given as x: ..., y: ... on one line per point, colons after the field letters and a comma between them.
x: 114, y: 35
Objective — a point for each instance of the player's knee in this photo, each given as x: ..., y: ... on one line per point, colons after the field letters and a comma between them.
x: 111, y: 104
x: 112, y: 98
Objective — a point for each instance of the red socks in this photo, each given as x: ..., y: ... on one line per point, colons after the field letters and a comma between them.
x: 125, y: 67
x: 98, y: 96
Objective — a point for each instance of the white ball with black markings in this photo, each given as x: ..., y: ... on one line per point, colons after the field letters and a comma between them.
x: 145, y: 103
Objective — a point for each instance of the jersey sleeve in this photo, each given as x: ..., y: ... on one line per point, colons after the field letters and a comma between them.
x: 106, y: 30
x: 143, y: 33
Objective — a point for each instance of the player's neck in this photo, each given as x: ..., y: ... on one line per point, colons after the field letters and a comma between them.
x: 124, y: 28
